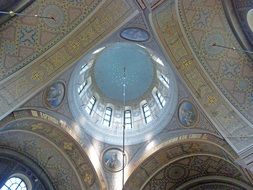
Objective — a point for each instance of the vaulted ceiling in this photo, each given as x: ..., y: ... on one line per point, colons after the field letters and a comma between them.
x: 213, y: 149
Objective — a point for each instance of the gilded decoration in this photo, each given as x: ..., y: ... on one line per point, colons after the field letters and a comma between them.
x: 172, y: 36
x: 27, y: 38
x: 67, y: 145
x: 18, y: 88
x: 187, y: 169
x: 173, y: 174
x: 225, y: 67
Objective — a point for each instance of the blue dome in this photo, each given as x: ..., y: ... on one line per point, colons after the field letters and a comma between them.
x: 109, y: 71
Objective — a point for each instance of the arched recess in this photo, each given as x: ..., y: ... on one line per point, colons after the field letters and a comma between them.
x: 209, y: 152
x: 14, y: 164
x: 61, y: 158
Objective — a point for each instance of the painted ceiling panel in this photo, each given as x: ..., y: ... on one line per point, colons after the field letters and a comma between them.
x: 23, y: 39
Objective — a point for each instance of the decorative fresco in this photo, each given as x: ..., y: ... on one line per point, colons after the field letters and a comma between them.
x: 113, y: 159
x: 33, y: 78
x: 135, y: 34
x: 177, y: 148
x: 54, y: 94
x: 187, y: 169
x: 187, y: 114
x: 34, y: 146
x: 30, y: 37
x: 228, y: 69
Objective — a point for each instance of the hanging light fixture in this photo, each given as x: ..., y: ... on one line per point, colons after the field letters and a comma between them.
x: 231, y: 48
x: 12, y: 14
x: 123, y: 130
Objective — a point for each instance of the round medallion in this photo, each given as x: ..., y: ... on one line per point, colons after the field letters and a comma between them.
x: 113, y: 159
x: 187, y: 114
x: 215, y: 38
x: 135, y: 34
x: 176, y: 172
x: 54, y: 94
x: 55, y: 12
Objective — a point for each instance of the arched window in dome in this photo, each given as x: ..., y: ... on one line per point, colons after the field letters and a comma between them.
x: 98, y: 50
x: 90, y: 106
x: 160, y: 98
x: 146, y: 113
x: 107, y: 116
x: 157, y: 59
x: 128, y: 119
x: 84, y: 67
x: 164, y: 80
x: 81, y: 87
x: 14, y: 183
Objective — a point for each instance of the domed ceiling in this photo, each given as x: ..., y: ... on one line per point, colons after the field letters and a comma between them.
x: 109, y: 71
x: 122, y: 84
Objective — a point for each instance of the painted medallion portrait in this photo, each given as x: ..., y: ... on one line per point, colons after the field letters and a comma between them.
x: 54, y: 94
x: 113, y: 159
x: 187, y: 114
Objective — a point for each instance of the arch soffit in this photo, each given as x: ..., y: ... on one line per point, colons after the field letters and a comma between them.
x: 176, y: 149
x: 50, y: 130
x: 167, y: 25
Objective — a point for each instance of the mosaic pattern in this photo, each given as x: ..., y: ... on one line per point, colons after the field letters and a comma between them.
x: 54, y: 94
x: 113, y: 159
x: 187, y: 114
x: 135, y: 34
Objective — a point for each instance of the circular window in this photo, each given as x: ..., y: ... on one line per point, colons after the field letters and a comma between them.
x: 122, y: 84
